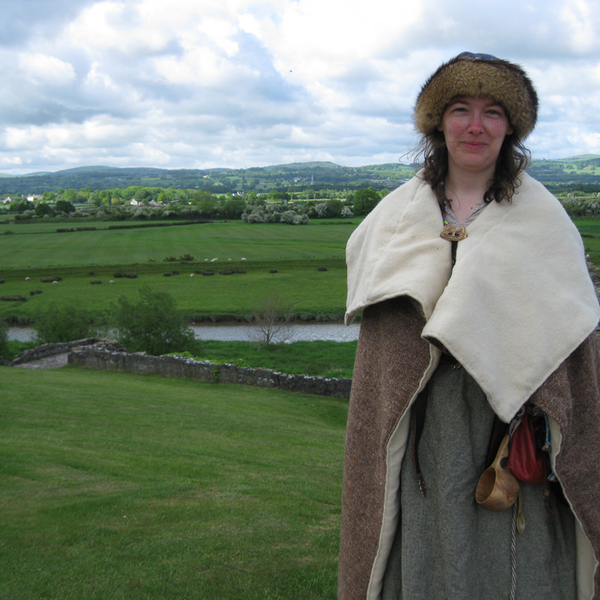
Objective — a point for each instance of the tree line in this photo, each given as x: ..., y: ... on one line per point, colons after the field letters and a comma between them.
x: 151, y: 203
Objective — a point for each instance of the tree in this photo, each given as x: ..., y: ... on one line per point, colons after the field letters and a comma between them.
x: 152, y: 324
x: 233, y: 208
x: 62, y: 206
x: 269, y: 321
x: 70, y: 196
x: 64, y: 324
x: 365, y: 200
x: 334, y: 208
x: 43, y: 209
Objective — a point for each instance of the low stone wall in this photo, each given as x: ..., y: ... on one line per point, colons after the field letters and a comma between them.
x: 47, y: 350
x: 95, y: 357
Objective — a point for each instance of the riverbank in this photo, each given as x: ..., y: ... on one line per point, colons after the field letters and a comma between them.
x: 237, y: 332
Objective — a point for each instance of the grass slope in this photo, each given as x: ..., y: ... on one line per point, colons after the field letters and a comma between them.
x: 115, y: 485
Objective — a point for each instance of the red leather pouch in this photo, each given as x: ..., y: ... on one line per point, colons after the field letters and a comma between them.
x: 525, y: 461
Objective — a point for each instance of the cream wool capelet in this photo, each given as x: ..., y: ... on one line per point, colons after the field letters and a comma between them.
x: 520, y: 299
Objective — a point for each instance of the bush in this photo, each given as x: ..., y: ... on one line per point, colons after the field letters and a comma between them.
x: 64, y: 324
x: 365, y: 200
x: 151, y: 325
x: 3, y: 339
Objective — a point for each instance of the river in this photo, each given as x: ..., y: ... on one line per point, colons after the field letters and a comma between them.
x: 296, y: 332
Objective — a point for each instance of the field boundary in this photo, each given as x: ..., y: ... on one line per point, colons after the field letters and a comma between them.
x: 101, y: 354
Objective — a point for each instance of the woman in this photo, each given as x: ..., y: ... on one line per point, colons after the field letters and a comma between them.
x: 476, y: 302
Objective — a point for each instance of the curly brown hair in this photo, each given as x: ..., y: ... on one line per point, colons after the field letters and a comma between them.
x: 511, y: 162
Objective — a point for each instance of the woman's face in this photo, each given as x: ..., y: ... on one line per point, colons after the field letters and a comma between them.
x: 474, y: 129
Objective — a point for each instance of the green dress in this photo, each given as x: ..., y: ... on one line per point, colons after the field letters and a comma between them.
x: 446, y: 546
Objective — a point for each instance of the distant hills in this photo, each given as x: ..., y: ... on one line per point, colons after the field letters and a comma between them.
x: 577, y: 172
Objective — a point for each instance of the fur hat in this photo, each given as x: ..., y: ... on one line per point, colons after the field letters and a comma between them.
x: 478, y: 75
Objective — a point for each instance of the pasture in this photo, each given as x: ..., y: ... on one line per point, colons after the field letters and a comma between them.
x: 37, y: 251
x: 282, y: 259
x: 590, y: 230
x: 124, y: 486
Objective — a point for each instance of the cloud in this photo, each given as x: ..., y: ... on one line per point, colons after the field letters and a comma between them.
x: 44, y: 70
x: 245, y: 83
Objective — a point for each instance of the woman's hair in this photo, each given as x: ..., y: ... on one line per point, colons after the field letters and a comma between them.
x: 512, y: 161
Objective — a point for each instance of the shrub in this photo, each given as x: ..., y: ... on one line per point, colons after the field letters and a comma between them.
x: 64, y: 324
x: 3, y: 339
x: 365, y: 200
x: 152, y: 324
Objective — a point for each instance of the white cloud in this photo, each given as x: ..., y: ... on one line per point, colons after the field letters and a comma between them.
x: 581, y: 19
x: 115, y: 26
x: 255, y: 82
x: 46, y: 70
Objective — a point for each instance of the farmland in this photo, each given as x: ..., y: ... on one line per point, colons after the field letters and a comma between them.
x: 279, y: 257
x: 216, y: 270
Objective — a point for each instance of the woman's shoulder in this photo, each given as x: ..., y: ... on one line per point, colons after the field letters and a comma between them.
x: 400, y: 197
x: 390, y: 209
x: 534, y: 196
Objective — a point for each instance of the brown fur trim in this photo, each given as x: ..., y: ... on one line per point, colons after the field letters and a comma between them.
x: 474, y: 75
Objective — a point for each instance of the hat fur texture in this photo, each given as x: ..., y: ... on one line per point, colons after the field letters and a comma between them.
x: 478, y: 75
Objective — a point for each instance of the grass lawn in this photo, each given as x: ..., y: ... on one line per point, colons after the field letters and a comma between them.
x: 114, y: 485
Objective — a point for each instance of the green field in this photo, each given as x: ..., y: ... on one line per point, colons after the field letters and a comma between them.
x: 37, y: 251
x: 33, y: 246
x: 122, y: 486
x: 590, y: 231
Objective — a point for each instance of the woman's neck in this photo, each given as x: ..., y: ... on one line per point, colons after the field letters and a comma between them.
x: 465, y: 192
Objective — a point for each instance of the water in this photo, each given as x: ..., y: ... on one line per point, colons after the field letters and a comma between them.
x: 296, y: 332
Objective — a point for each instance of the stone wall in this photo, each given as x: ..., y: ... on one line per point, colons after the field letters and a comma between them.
x: 46, y: 350
x: 97, y: 356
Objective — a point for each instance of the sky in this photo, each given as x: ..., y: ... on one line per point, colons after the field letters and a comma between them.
x: 200, y: 84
